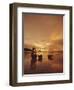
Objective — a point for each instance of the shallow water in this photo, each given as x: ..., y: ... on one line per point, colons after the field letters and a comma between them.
x: 53, y: 64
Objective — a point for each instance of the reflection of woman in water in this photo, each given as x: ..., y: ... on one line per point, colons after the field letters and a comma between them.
x: 34, y: 54
x: 33, y: 65
x: 33, y: 60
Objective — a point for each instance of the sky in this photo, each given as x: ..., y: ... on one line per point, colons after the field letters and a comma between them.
x: 43, y: 31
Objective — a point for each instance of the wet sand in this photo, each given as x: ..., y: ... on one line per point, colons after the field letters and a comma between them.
x: 46, y: 65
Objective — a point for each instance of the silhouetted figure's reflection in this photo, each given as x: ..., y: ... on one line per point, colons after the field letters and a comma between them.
x: 50, y: 57
x: 33, y: 59
x: 33, y: 65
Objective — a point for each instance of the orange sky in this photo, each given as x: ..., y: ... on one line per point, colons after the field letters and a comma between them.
x: 43, y: 31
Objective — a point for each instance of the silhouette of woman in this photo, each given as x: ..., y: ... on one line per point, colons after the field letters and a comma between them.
x: 33, y: 54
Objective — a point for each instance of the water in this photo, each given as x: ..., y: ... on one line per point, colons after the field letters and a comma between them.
x: 53, y: 64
